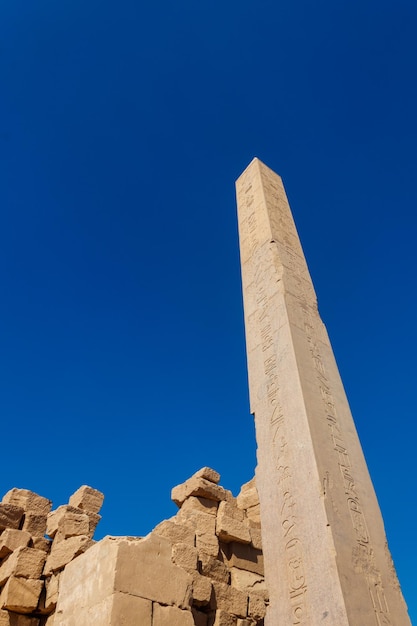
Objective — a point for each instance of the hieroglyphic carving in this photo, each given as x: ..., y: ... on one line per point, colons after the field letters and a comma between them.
x: 303, y: 422
x: 266, y: 273
x: 362, y: 553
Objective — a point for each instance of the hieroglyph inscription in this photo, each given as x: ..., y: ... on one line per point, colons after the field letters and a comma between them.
x: 267, y: 273
x: 299, y: 285
x: 362, y: 552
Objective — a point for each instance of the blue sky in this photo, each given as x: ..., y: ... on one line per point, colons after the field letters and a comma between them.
x: 122, y: 129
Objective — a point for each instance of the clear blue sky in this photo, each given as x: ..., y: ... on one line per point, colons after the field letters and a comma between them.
x: 122, y: 129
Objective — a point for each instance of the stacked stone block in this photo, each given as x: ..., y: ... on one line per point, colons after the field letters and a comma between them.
x: 30, y: 561
x: 202, y: 567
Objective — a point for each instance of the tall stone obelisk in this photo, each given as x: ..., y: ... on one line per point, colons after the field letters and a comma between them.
x: 325, y: 550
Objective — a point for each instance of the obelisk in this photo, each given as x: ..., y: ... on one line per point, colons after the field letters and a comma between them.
x: 325, y: 551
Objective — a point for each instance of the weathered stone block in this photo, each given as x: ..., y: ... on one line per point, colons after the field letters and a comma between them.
x: 23, y: 562
x: 87, y: 499
x: 205, y: 529
x: 89, y: 580
x: 73, y: 524
x: 230, y: 525
x: 208, y: 474
x: 201, y: 487
x: 145, y: 569
x: 171, y: 616
x: 11, y: 539
x: 213, y: 568
x: 94, y: 519
x: 248, y: 495
x: 230, y: 599
x: 230, y: 509
x: 20, y: 594
x: 222, y: 618
x: 257, y: 606
x: 34, y: 524
x: 254, y: 513
x: 63, y: 552
x: 185, y: 556
x: 248, y: 581
x: 55, y: 517
x: 15, y: 619
x: 255, y: 537
x: 29, y: 501
x: 202, y: 590
x: 51, y: 595
x: 200, y: 505
x: 197, y: 520
x: 41, y: 543
x: 10, y: 516
x: 243, y: 556
x: 207, y: 542
x: 176, y: 533
x: 129, y: 610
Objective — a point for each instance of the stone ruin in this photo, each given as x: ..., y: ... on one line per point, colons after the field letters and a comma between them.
x: 202, y: 567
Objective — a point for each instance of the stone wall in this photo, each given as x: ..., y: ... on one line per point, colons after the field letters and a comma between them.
x: 35, y: 546
x: 202, y: 567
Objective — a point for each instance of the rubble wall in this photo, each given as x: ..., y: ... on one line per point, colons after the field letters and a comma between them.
x: 202, y: 567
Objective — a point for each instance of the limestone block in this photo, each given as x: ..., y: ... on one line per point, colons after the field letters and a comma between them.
x: 87, y: 499
x: 202, y: 590
x: 230, y: 525
x: 171, y: 616
x: 197, y: 520
x: 94, y: 519
x: 176, y: 533
x: 222, y: 618
x: 248, y: 581
x: 201, y: 505
x: 73, y: 524
x: 185, y: 556
x: 29, y: 501
x: 248, y: 496
x: 197, y: 486
x: 257, y: 606
x: 113, y: 567
x: 55, y: 517
x: 41, y: 543
x: 207, y: 542
x: 63, y: 552
x: 128, y: 611
x: 88, y: 580
x: 208, y: 474
x: 255, y: 537
x: 23, y: 562
x: 15, y: 619
x: 11, y: 539
x: 200, y: 618
x: 51, y: 595
x: 243, y: 556
x: 230, y: 509
x: 10, y: 515
x: 21, y: 594
x: 35, y: 524
x: 254, y: 513
x: 205, y: 529
x: 230, y: 599
x: 213, y: 568
x: 145, y: 569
